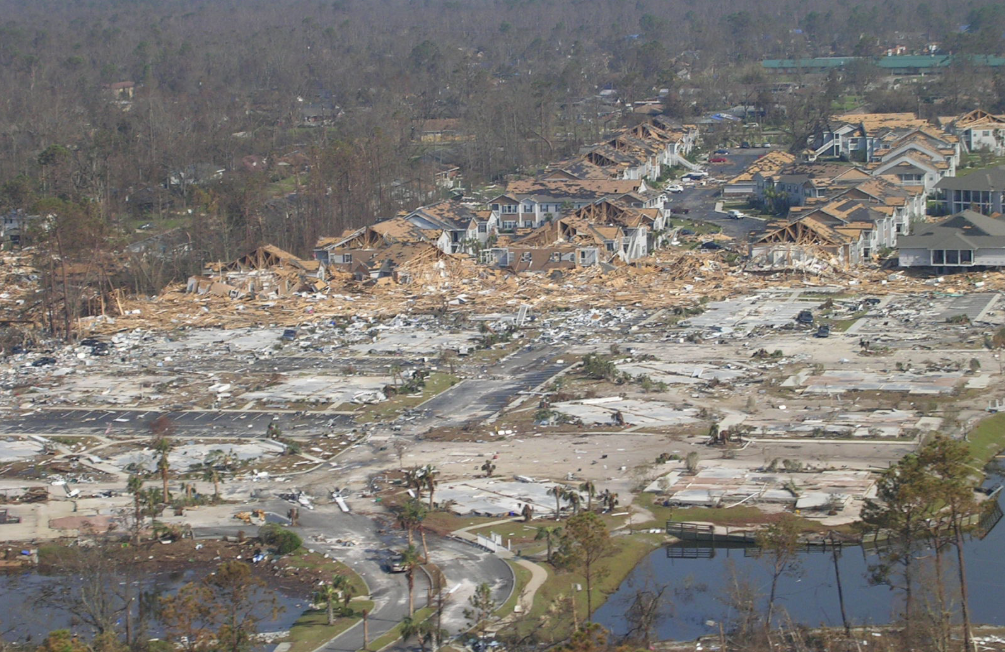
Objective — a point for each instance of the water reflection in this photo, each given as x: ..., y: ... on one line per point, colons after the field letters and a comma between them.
x: 701, y: 578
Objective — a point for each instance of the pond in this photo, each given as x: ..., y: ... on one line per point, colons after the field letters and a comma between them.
x: 699, y: 579
x: 31, y: 603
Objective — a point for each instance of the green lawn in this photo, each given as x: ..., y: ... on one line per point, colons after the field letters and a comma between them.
x: 312, y: 630
x: 987, y: 439
x: 300, y: 558
x: 740, y: 516
x: 282, y: 187
x: 974, y: 160
x: 557, y: 622
x: 437, y: 383
x: 523, y: 576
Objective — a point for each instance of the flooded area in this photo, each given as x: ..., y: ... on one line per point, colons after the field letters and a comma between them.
x: 700, y: 579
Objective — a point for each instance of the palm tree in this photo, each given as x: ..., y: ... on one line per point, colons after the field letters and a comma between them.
x: 409, y: 516
x: 163, y: 446
x: 418, y: 629
x: 162, y: 429
x: 135, y: 486
x: 429, y: 479
x: 489, y: 468
x: 328, y: 593
x: 590, y: 490
x: 348, y: 591
x: 610, y: 501
x: 527, y: 512
x: 395, y: 373
x: 410, y: 560
x: 550, y: 535
x: 413, y: 480
x: 210, y: 474
x: 573, y: 498
x: 221, y: 459
x: 558, y: 491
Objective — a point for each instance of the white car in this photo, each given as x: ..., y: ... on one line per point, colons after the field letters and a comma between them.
x: 675, y: 188
x: 736, y: 215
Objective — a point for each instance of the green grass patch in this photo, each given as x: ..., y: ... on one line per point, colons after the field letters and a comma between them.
x: 395, y: 632
x: 974, y: 162
x: 443, y: 522
x: 739, y: 516
x: 516, y: 532
x: 987, y: 439
x: 846, y: 103
x: 312, y: 630
x: 301, y: 558
x: 437, y: 383
x: 523, y: 576
x: 628, y: 552
x: 842, y: 325
x: 282, y: 187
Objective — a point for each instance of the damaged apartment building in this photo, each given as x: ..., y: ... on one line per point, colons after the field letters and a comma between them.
x: 597, y: 209
x: 844, y: 214
x: 605, y: 232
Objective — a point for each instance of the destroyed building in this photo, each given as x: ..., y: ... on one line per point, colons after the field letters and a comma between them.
x: 267, y: 271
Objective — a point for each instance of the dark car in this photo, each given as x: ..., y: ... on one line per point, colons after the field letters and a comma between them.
x: 289, y: 334
x: 686, y: 232
x: 823, y: 331
x: 744, y: 145
x: 679, y: 211
x: 43, y: 362
x: 711, y: 246
x: 804, y: 317
x: 721, y: 151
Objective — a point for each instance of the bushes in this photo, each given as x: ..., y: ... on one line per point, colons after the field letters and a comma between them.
x: 282, y: 540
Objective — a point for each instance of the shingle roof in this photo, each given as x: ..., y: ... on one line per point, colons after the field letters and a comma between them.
x: 990, y: 179
x: 967, y: 230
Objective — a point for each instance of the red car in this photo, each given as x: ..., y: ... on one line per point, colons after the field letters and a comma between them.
x: 718, y: 159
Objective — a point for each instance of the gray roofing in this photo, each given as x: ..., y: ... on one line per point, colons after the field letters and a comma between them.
x: 965, y: 230
x: 989, y: 179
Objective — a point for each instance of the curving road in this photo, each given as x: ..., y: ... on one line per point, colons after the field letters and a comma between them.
x: 465, y: 567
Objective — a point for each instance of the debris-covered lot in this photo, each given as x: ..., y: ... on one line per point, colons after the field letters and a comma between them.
x: 791, y: 396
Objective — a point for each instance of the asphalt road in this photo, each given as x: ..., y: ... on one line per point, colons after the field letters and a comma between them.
x: 479, y: 398
x: 465, y: 566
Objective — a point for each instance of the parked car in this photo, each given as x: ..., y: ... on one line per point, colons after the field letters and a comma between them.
x: 718, y: 159
x: 744, y: 145
x: 722, y: 151
x: 823, y: 331
x: 711, y: 245
x: 686, y: 232
x: 804, y: 317
x: 676, y: 210
x: 736, y: 215
x: 675, y: 188
x: 698, y: 174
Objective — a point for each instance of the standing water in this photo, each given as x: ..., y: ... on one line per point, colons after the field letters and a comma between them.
x: 699, y: 578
